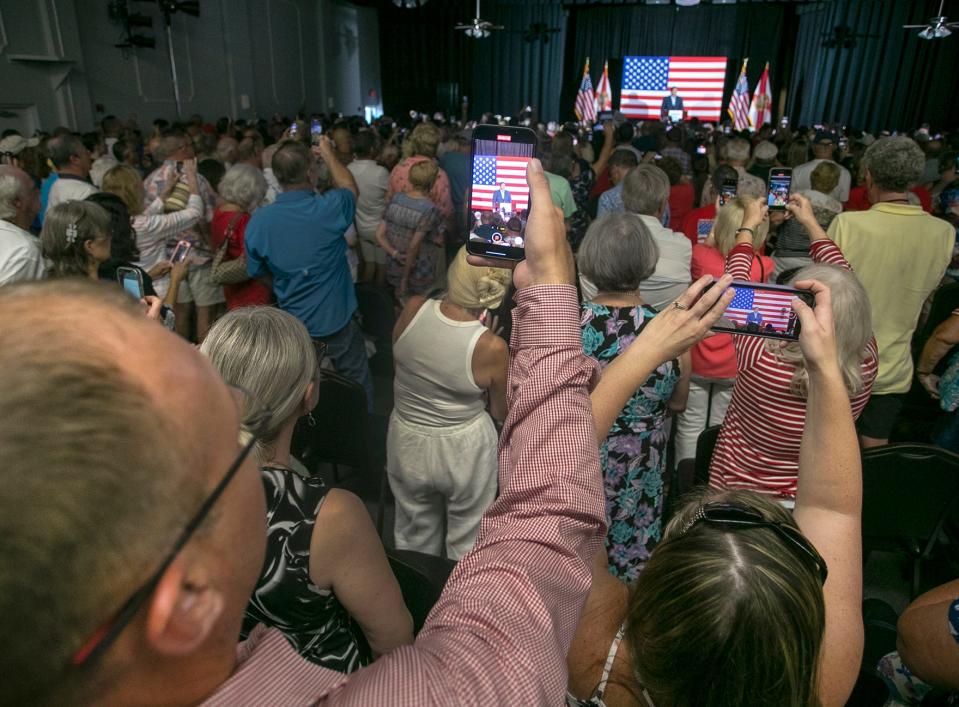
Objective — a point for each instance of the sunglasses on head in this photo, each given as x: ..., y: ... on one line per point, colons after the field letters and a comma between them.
x: 736, y: 515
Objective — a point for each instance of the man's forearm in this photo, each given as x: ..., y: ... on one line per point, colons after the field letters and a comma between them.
x: 341, y: 176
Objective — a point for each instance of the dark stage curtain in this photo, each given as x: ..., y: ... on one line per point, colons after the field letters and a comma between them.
x: 895, y: 80
x: 754, y: 30
x: 428, y: 65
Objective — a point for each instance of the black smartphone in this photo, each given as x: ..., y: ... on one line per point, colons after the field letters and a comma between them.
x: 316, y: 129
x: 293, y: 129
x: 604, y: 116
x: 763, y: 310
x: 780, y: 180
x: 728, y: 190
x: 132, y: 281
x: 499, y: 196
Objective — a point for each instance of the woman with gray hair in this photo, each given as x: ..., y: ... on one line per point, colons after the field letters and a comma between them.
x: 326, y: 582
x: 243, y: 189
x: 758, y: 446
x: 617, y: 254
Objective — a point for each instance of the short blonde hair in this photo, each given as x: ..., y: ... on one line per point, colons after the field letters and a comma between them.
x: 423, y: 175
x: 825, y: 177
x: 424, y: 140
x: 729, y: 218
x: 125, y: 182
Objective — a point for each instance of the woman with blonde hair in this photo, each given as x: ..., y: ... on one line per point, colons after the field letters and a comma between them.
x: 742, y: 603
x: 155, y: 230
x: 326, y: 579
x: 714, y: 358
x: 421, y: 145
x: 450, y: 384
x: 76, y: 239
x: 758, y: 446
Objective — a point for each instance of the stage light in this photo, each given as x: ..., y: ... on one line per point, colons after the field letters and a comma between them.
x: 687, y: 3
x: 410, y: 4
x: 657, y: 2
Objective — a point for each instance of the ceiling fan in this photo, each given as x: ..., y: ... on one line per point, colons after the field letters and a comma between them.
x: 937, y: 27
x: 478, y: 28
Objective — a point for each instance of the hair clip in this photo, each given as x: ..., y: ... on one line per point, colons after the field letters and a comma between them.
x: 72, y: 232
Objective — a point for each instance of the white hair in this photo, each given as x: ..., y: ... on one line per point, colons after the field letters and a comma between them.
x: 853, y: 320
x: 244, y: 185
x: 269, y: 353
x: 10, y: 190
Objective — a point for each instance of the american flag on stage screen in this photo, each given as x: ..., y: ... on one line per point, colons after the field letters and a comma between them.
x: 698, y: 79
x: 489, y: 172
x: 774, y: 307
x: 703, y: 228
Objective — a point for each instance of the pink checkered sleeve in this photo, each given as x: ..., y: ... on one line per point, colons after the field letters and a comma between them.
x: 501, y: 630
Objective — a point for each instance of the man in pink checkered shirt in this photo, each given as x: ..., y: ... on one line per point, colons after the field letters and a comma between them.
x: 130, y: 588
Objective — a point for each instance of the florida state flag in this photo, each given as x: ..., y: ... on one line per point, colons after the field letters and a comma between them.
x: 761, y: 109
x: 604, y: 96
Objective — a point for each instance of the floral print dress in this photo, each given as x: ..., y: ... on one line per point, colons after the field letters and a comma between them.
x: 633, y: 456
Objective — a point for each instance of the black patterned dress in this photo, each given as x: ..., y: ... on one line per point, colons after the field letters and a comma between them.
x: 311, y: 618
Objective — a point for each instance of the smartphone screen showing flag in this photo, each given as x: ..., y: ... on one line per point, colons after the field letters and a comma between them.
x: 763, y: 310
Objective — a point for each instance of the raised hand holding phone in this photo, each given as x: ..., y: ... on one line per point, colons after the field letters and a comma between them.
x: 818, y: 336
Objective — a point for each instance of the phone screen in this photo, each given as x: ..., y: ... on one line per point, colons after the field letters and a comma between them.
x: 499, y: 195
x: 763, y: 310
x: 316, y: 129
x: 180, y: 252
x: 701, y: 150
x: 293, y: 129
x: 131, y: 281
x: 779, y: 183
x: 728, y: 191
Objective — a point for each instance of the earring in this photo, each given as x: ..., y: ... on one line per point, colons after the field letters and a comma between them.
x: 310, y: 420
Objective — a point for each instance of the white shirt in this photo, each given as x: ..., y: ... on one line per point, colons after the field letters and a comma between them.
x: 20, y: 256
x: 671, y: 277
x: 69, y: 188
x: 153, y: 228
x: 100, y: 167
x: 803, y: 173
x: 372, y: 181
x: 272, y: 185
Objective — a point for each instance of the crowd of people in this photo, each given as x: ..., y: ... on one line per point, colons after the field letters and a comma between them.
x: 539, y: 411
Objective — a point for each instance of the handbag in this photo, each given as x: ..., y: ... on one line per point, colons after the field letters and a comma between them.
x: 228, y: 272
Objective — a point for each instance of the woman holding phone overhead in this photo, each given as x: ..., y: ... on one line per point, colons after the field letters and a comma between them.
x: 759, y: 444
x: 742, y: 603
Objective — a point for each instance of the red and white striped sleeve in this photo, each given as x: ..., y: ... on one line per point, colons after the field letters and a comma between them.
x: 826, y: 251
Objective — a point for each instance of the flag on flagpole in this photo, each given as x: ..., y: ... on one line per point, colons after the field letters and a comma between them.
x: 604, y: 95
x: 760, y: 110
x: 739, y: 102
x: 585, y: 108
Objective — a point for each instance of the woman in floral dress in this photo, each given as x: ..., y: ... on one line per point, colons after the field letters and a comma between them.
x: 618, y: 252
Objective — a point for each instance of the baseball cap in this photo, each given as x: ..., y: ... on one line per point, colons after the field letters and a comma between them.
x: 15, y: 144
x: 824, y: 136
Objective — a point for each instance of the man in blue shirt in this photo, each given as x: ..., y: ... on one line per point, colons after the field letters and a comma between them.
x: 299, y: 241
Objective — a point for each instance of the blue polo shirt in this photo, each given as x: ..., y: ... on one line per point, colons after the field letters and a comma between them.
x: 298, y: 240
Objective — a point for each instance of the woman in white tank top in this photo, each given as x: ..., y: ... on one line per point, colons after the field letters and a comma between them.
x: 441, y: 448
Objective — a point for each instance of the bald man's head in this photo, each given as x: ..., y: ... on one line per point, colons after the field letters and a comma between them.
x: 98, y: 471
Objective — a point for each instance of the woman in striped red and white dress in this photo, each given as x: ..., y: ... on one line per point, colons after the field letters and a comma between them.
x: 758, y: 446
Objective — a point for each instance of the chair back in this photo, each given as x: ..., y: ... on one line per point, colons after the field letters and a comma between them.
x: 421, y: 578
x: 341, y: 434
x: 704, y: 454
x: 908, y: 491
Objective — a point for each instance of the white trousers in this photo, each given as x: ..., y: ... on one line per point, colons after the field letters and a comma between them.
x: 441, y: 475
x: 692, y: 421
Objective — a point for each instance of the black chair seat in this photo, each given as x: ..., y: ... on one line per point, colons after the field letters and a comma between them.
x: 421, y: 578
